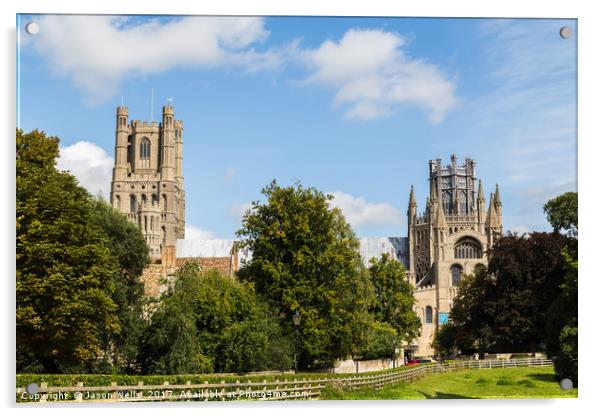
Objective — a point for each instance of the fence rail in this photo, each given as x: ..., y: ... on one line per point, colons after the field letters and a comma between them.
x: 286, y: 389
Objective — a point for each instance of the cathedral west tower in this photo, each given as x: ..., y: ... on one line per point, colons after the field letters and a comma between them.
x: 147, y: 184
x: 448, y: 240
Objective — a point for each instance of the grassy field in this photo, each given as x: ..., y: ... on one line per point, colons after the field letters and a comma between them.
x: 508, y: 383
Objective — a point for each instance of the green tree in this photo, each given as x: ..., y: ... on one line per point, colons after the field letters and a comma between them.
x: 64, y: 267
x: 210, y: 323
x: 306, y: 259
x: 506, y: 307
x: 561, y: 327
x: 129, y: 250
x: 562, y: 213
x: 393, y: 301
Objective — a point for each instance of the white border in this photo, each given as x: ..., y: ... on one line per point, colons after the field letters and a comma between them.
x: 590, y: 109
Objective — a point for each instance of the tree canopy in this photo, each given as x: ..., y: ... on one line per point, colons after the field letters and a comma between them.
x: 306, y: 259
x: 63, y: 263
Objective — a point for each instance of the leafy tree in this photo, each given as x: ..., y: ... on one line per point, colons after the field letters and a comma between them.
x: 306, y: 259
x: 64, y: 267
x: 210, y: 323
x: 506, y: 307
x: 393, y: 300
x: 562, y: 213
x: 129, y: 250
x: 528, y: 273
x: 382, y: 341
x: 561, y: 327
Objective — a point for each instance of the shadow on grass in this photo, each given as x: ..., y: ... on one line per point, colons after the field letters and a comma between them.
x: 543, y: 377
x: 440, y: 395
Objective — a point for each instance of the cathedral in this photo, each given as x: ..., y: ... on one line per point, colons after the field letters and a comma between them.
x: 148, y: 185
x: 447, y: 241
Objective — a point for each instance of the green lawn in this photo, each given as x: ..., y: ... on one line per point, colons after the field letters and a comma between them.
x: 515, y: 383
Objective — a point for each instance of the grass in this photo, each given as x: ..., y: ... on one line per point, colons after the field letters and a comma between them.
x: 498, y: 383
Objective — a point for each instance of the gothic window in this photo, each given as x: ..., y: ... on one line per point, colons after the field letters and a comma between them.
x: 164, y: 203
x: 117, y: 202
x: 456, y: 272
x: 163, y: 235
x: 130, y: 155
x: 428, y: 315
x: 143, y: 199
x: 155, y: 199
x: 133, y: 207
x: 145, y: 151
x: 145, y: 224
x: 467, y: 249
x: 462, y: 203
x: 151, y: 223
x: 447, y: 202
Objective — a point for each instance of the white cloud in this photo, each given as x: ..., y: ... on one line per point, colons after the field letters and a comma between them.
x: 373, y: 76
x: 98, y: 52
x: 230, y: 174
x: 238, y: 210
x: 196, y: 233
x: 360, y: 212
x: 90, y: 164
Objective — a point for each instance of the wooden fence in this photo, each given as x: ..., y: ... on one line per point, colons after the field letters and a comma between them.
x: 286, y: 389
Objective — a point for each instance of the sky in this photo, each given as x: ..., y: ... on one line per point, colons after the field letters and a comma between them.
x: 355, y: 107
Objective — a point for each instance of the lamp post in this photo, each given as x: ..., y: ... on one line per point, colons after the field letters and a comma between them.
x: 296, y: 323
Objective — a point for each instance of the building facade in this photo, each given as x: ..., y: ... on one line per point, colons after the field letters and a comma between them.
x: 448, y: 240
x: 148, y: 185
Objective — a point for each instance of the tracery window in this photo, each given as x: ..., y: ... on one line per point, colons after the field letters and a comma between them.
x: 447, y: 202
x: 145, y: 151
x: 467, y: 249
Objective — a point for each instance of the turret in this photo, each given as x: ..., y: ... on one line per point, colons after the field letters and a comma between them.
x: 121, y: 144
x: 168, y: 161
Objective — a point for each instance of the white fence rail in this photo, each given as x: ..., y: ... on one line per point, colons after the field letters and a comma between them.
x: 286, y: 389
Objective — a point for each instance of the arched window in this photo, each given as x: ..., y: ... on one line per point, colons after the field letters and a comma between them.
x: 117, y: 202
x: 133, y: 207
x: 447, y: 202
x: 468, y: 249
x: 462, y: 203
x: 456, y: 272
x: 143, y: 199
x: 428, y: 315
x: 163, y: 235
x: 164, y: 202
x: 145, y: 151
x: 155, y: 199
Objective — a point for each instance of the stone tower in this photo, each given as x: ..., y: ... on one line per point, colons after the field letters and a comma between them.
x: 448, y: 240
x: 147, y: 182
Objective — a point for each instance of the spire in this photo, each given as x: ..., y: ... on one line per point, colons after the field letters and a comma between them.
x: 440, y: 219
x: 412, y: 197
x: 497, y: 199
x: 493, y: 220
x: 480, y: 196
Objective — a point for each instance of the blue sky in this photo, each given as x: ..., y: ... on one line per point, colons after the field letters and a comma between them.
x: 352, y: 106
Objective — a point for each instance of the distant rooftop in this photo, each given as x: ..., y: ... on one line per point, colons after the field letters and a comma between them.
x: 370, y: 247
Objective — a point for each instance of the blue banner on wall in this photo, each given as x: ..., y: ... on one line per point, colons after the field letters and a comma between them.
x: 443, y: 317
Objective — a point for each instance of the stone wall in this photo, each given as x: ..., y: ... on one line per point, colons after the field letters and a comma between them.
x: 364, y: 366
x: 224, y: 265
